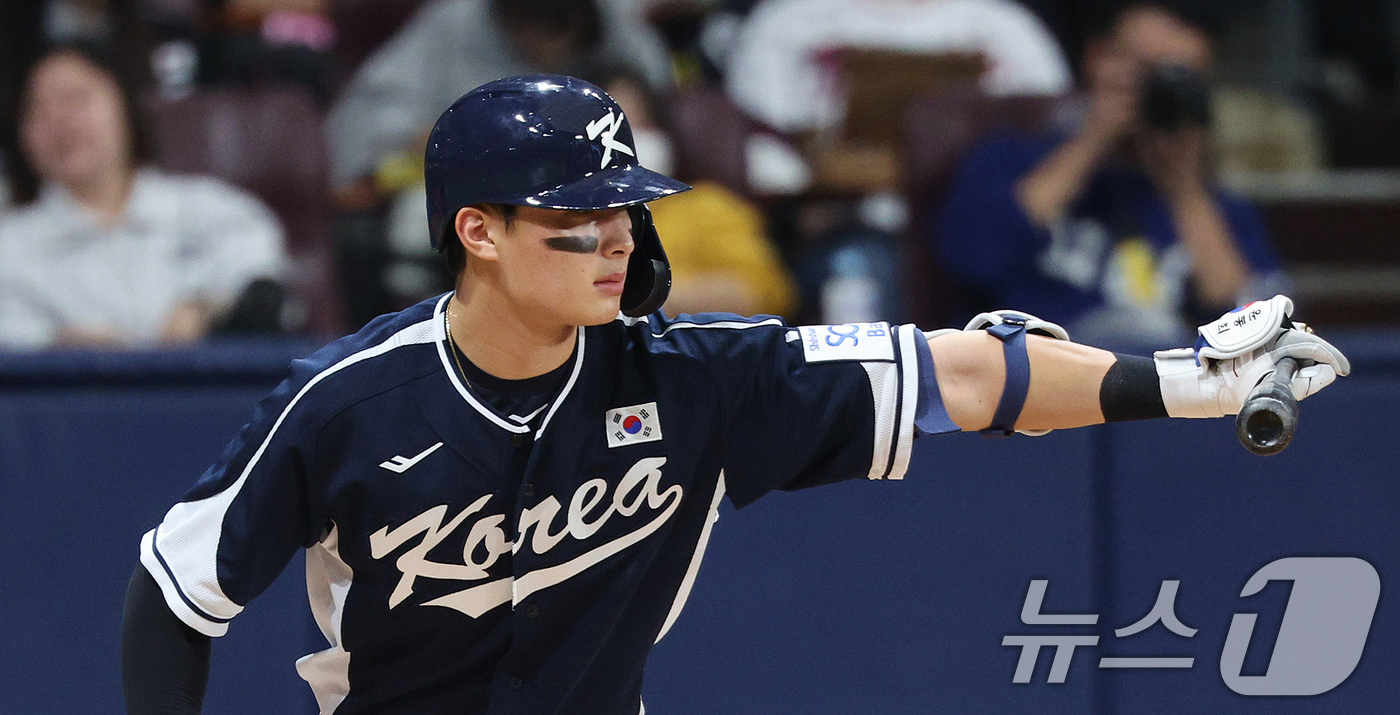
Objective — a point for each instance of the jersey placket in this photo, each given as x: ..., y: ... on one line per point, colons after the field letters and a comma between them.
x: 509, y: 680
x: 532, y: 485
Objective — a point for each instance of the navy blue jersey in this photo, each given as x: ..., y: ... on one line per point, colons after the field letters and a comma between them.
x: 460, y: 561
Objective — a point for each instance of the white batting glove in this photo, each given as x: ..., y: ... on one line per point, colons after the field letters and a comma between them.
x: 1237, y: 352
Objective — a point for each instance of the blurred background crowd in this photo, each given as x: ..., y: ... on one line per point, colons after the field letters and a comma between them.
x: 178, y: 169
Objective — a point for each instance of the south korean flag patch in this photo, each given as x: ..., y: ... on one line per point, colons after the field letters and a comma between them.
x: 633, y: 425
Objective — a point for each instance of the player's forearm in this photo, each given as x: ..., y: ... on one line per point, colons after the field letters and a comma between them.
x: 165, y: 663
x: 1066, y: 385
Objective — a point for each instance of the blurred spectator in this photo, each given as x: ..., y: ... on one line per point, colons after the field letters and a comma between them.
x: 721, y: 258
x: 835, y: 75
x: 241, y: 43
x: 776, y: 72
x: 111, y: 251
x: 1116, y: 230
x: 287, y: 41
x: 382, y: 117
x: 451, y: 46
x: 5, y: 193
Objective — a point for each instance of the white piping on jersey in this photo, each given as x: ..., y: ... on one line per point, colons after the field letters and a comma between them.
x: 525, y: 419
x: 568, y: 386
x: 191, y: 530
x: 691, y: 571
x: 909, y: 366
x: 441, y: 334
x: 328, y: 580
x: 483, y: 409
x: 730, y: 324
x: 895, y: 389
x: 884, y: 388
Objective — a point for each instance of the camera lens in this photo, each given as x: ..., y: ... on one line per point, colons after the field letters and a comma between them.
x: 1174, y: 97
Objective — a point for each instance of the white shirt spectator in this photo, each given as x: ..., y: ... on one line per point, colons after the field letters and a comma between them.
x: 182, y: 239
x: 444, y: 51
x: 775, y: 75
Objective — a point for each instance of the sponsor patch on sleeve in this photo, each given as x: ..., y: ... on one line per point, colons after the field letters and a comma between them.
x: 851, y: 341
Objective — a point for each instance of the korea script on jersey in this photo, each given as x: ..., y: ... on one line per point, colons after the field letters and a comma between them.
x: 588, y: 511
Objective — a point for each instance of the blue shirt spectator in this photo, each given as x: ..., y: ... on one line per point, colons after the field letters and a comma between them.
x: 1115, y: 230
x: 1116, y: 250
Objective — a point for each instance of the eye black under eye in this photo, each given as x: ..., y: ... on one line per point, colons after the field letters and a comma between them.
x: 573, y: 244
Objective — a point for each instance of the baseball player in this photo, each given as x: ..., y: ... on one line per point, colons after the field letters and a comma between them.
x: 504, y: 493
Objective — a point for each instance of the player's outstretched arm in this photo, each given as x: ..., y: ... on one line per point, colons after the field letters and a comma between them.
x: 1073, y: 385
x: 1064, y: 386
x: 165, y: 663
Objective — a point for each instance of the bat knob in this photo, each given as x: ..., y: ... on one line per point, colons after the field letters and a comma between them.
x: 1268, y: 419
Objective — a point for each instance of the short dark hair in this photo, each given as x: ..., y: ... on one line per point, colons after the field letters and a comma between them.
x: 24, y: 182
x: 453, y: 253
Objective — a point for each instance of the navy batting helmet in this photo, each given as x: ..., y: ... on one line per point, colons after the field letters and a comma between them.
x: 552, y: 142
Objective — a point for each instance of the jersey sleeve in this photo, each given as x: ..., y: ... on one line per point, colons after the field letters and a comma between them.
x: 238, y: 526
x: 810, y: 405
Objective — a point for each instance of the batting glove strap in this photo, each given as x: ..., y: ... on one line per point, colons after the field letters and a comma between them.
x: 1188, y: 388
x: 1245, y: 329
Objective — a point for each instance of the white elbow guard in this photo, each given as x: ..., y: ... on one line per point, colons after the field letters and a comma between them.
x: 1034, y: 325
x: 1010, y: 327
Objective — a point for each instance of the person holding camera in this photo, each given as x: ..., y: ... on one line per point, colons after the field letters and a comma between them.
x: 1114, y: 229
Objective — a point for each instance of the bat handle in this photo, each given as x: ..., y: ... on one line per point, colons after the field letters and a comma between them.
x: 1269, y: 417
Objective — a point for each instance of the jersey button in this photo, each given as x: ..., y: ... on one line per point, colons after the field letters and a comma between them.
x: 520, y: 440
x: 516, y: 682
x: 528, y: 491
x: 532, y: 610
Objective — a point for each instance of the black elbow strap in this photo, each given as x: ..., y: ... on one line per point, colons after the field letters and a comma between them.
x: 1131, y: 390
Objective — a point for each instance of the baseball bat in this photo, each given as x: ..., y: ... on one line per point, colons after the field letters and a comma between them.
x: 1269, y: 417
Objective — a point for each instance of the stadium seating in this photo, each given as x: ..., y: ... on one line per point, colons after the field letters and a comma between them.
x: 268, y: 140
x: 939, y: 129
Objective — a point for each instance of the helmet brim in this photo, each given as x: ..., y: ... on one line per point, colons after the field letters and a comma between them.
x: 606, y: 189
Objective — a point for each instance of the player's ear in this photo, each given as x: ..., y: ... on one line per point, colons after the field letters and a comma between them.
x: 473, y: 230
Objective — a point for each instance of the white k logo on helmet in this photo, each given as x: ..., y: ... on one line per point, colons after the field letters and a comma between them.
x: 607, y: 127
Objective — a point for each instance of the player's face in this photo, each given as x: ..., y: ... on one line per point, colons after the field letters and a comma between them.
x: 567, y: 266
x: 74, y: 125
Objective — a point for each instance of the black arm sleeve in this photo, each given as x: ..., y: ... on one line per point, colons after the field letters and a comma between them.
x: 165, y: 663
x: 1131, y: 390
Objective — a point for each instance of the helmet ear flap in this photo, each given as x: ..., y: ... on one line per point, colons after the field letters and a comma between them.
x: 648, y: 279
x: 445, y: 230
